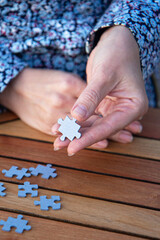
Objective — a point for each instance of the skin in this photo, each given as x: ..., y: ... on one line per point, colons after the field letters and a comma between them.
x: 114, y: 90
x: 40, y: 96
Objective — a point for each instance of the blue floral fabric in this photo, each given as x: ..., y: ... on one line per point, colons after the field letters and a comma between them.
x: 60, y: 34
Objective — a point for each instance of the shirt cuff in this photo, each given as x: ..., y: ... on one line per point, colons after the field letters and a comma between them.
x: 142, y: 18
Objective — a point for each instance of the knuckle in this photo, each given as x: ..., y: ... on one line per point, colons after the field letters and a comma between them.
x: 143, y: 106
x: 68, y: 83
x: 58, y: 101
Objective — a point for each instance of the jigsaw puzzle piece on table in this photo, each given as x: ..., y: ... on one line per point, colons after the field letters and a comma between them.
x: 19, y: 223
x: 2, y: 194
x: 46, y: 171
x: 46, y: 203
x: 28, y: 189
x: 14, y: 171
x: 69, y: 128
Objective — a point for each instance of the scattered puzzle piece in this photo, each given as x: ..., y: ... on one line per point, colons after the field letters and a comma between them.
x: 69, y: 128
x: 46, y: 203
x: 2, y: 194
x: 46, y: 171
x: 19, y: 223
x: 13, y: 171
x: 28, y: 188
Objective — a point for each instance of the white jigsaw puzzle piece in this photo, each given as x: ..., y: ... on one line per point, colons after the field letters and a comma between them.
x: 69, y: 128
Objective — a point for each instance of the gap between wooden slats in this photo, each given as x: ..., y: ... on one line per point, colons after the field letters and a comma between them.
x: 7, y: 116
x: 140, y: 147
x: 89, y: 212
x: 49, y: 229
x: 150, y: 122
x: 88, y: 160
x: 92, y: 185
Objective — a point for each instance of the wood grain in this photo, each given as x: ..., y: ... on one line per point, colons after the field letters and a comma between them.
x: 20, y: 129
x: 140, y: 147
x: 93, y: 185
x: 89, y: 212
x: 151, y: 124
x: 7, y: 116
x: 88, y: 160
x: 50, y: 229
x: 114, y: 190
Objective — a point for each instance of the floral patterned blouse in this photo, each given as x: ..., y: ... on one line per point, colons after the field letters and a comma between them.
x: 59, y: 34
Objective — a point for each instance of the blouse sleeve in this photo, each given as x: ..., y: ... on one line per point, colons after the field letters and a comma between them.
x: 10, y: 64
x: 142, y: 17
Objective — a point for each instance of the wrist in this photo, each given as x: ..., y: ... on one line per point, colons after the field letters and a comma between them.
x: 8, y: 98
x: 121, y: 36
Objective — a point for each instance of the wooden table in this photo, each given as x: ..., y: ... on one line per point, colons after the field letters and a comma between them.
x: 107, y: 194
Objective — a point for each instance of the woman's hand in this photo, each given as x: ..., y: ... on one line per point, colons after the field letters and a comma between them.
x: 39, y: 97
x: 115, y: 90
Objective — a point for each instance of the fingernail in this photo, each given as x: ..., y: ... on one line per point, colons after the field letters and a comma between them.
x: 70, y: 154
x: 140, y: 128
x: 56, y: 148
x: 80, y: 110
x: 100, y: 145
x: 54, y: 133
x: 125, y: 137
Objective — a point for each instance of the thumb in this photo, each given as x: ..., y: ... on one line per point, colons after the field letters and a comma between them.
x: 88, y: 100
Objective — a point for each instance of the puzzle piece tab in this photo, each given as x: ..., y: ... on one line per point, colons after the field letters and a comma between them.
x: 2, y: 194
x: 28, y: 188
x: 46, y: 171
x: 19, y: 223
x: 69, y: 128
x: 46, y: 203
x: 13, y: 171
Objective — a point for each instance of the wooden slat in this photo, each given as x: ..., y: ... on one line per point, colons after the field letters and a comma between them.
x: 89, y: 212
x: 93, y: 185
x: 20, y: 129
x: 151, y: 124
x: 7, y: 116
x: 50, y: 229
x: 86, y: 159
x: 140, y: 147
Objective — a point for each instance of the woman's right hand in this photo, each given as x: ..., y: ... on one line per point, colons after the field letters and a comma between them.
x: 40, y: 96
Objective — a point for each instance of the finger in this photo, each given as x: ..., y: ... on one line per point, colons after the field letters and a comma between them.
x: 87, y: 103
x: 58, y: 100
x: 54, y: 129
x: 102, y: 129
x: 100, y: 144
x: 92, y: 95
x: 122, y: 137
x: 70, y: 84
x: 58, y: 144
x: 135, y: 127
x: 87, y: 123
